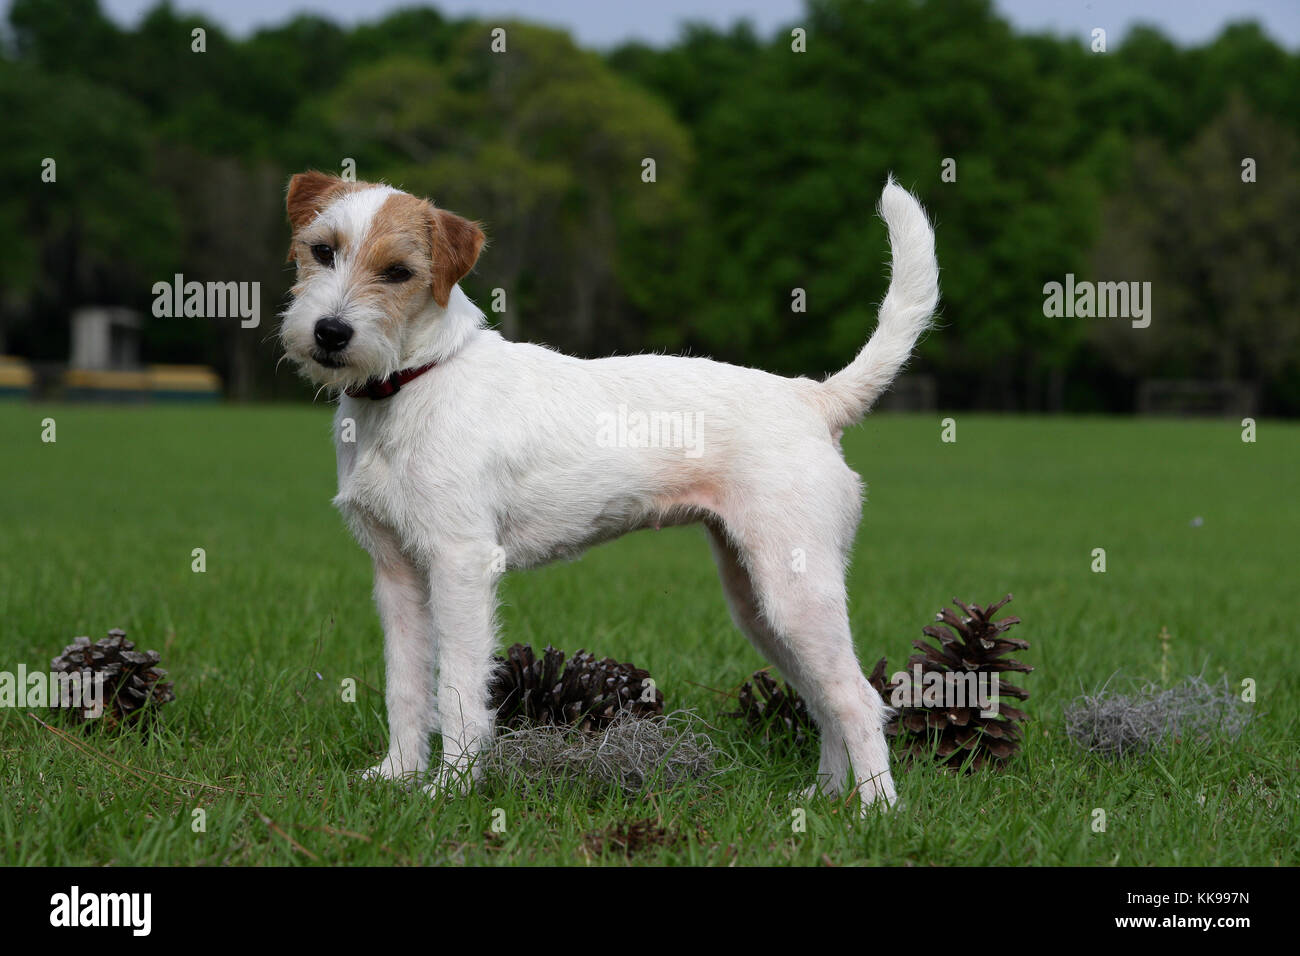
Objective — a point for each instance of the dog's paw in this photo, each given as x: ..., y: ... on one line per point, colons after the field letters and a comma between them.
x: 806, y: 794
x: 876, y: 794
x: 388, y: 769
x: 449, y: 779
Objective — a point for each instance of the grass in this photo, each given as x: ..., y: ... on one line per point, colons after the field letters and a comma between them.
x: 97, y: 530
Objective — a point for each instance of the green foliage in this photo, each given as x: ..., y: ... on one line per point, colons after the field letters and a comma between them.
x: 768, y: 166
x: 544, y: 144
x: 1215, y: 249
x: 98, y: 231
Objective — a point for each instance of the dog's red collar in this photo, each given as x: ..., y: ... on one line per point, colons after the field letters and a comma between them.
x: 378, y: 388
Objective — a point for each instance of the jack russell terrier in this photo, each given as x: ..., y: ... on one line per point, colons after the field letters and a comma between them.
x: 462, y: 455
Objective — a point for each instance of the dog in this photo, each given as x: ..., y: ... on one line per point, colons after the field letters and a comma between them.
x: 462, y: 455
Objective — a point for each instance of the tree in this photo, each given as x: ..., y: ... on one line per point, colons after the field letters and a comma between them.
x: 545, y: 145
x: 793, y: 155
x: 1219, y: 253
x: 93, y: 230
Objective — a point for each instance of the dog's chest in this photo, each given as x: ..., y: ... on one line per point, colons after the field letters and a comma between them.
x: 375, y: 477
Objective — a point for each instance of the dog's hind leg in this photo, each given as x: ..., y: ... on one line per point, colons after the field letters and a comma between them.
x: 742, y: 602
x: 784, y: 576
x: 401, y: 595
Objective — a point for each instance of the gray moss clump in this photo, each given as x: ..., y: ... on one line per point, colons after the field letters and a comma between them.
x: 1153, y: 718
x: 666, y: 751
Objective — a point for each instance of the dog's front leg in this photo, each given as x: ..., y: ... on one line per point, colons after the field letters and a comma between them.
x: 462, y: 597
x: 401, y: 595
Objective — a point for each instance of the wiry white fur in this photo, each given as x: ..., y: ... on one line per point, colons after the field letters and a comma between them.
x: 904, y: 315
x: 491, y: 461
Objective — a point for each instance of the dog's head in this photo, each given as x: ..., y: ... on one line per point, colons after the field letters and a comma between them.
x: 377, y: 268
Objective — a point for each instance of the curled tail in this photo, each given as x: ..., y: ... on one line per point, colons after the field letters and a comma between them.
x: 904, y: 315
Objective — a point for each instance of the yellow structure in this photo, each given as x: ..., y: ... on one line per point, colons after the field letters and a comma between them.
x: 16, y: 377
x: 165, y: 383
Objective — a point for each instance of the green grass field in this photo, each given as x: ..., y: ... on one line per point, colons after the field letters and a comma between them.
x: 97, y: 530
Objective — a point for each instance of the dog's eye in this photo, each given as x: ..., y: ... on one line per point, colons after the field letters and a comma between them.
x: 323, y: 254
x: 397, y: 274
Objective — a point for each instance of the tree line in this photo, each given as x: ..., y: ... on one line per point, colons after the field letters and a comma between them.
x: 750, y: 236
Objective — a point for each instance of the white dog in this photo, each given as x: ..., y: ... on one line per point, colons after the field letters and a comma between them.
x: 461, y: 455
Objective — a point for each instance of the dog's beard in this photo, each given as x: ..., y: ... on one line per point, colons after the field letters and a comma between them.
x: 369, y: 354
x: 330, y: 360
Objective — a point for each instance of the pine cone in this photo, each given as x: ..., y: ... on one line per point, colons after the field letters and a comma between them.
x: 973, y: 643
x: 131, y: 679
x: 877, y: 680
x: 589, y: 694
x: 771, y: 710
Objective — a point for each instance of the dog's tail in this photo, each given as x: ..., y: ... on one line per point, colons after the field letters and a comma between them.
x: 904, y: 315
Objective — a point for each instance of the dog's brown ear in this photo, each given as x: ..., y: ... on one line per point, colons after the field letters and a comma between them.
x: 308, y: 193
x: 456, y: 245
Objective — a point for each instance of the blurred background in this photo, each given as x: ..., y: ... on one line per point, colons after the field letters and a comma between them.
x: 1123, y: 165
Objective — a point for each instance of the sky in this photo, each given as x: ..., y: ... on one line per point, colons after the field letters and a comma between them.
x: 604, y: 23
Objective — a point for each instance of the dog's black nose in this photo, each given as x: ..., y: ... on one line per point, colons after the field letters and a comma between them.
x: 332, y: 333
